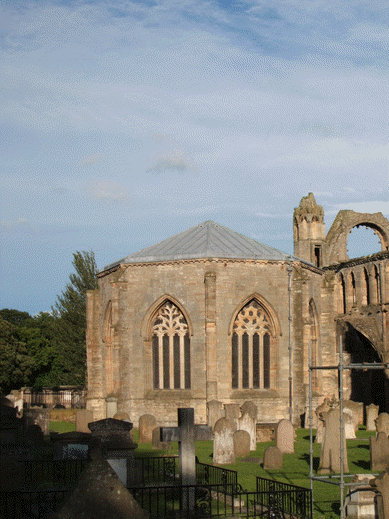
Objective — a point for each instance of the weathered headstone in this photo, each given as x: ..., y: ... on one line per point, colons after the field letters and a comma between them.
x: 35, y: 435
x: 349, y: 424
x: 71, y: 445
x: 372, y: 411
x: 356, y: 409
x: 232, y: 414
x: 186, y: 433
x: 223, y: 442
x: 215, y: 410
x: 83, y: 418
x: 157, y: 443
x: 100, y: 495
x: 111, y: 406
x: 147, y: 424
x: 361, y: 498
x: 272, y: 458
x: 330, y: 447
x: 284, y: 436
x: 382, y: 423
x: 117, y: 446
x: 241, y: 444
x: 248, y: 422
x: 382, y: 484
x: 37, y: 416
x: 320, y: 411
x: 379, y: 452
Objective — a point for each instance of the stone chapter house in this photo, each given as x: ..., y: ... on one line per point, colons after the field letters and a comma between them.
x: 210, y: 314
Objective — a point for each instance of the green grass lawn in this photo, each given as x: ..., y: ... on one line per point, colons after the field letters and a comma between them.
x: 295, y: 468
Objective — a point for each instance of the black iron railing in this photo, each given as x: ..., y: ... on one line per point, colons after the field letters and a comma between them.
x: 55, y: 473
x: 211, y: 475
x: 156, y: 470
x: 293, y: 500
x: 38, y: 504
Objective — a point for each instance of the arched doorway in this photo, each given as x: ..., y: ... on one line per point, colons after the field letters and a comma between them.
x: 367, y: 386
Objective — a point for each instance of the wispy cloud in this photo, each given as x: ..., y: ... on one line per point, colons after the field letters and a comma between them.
x: 174, y: 161
x: 107, y: 191
x: 15, y: 225
x: 374, y: 206
x: 93, y: 159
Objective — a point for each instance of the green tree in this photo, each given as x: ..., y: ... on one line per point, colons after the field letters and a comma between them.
x: 16, y: 365
x: 70, y: 308
x: 15, y: 317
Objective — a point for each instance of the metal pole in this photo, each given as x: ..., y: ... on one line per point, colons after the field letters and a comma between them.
x: 290, y: 270
x: 310, y: 423
x: 341, y: 425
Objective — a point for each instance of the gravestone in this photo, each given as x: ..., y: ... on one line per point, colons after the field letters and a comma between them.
x: 241, y: 444
x: 379, y: 452
x: 157, y: 443
x: 83, y: 418
x: 284, y: 436
x: 361, y: 498
x: 248, y: 422
x: 372, y: 411
x: 382, y: 423
x: 356, y: 409
x: 147, y: 424
x: 71, y: 445
x: 320, y: 411
x: 100, y: 495
x: 34, y: 434
x: 223, y: 442
x: 382, y: 484
x: 272, y: 458
x: 37, y: 416
x: 215, y: 411
x: 330, y: 447
x: 116, y: 445
x: 111, y: 403
x: 349, y: 424
x: 186, y: 433
x: 232, y: 414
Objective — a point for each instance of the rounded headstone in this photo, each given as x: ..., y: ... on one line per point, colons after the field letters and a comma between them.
x: 223, y: 442
x: 241, y: 444
x: 272, y: 458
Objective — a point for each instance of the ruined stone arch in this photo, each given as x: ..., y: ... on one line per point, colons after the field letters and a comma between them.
x: 345, y: 221
x: 253, y: 330
x: 167, y: 345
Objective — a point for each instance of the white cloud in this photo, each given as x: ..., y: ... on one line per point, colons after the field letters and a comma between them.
x: 174, y: 161
x: 107, y: 191
x: 374, y: 206
x: 15, y: 225
x: 90, y: 160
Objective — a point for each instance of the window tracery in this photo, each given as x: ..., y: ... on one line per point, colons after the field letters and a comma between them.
x: 171, y: 349
x: 251, y: 348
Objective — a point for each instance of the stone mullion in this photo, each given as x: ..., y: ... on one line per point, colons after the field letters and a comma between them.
x: 160, y: 360
x: 240, y: 366
x: 250, y: 366
x: 182, y: 362
x: 261, y: 361
x: 171, y: 361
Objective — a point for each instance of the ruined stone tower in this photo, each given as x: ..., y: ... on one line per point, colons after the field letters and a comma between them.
x: 309, y: 231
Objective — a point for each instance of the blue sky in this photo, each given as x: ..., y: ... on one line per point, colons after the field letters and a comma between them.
x: 124, y: 123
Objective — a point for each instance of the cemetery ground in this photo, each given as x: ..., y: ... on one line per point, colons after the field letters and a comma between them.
x: 295, y: 468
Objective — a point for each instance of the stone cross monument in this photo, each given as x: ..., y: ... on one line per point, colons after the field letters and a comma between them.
x: 186, y: 434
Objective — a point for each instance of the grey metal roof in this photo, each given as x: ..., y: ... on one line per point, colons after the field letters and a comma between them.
x: 206, y: 240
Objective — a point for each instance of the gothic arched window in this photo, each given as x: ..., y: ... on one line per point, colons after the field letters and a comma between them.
x: 171, y: 349
x: 251, y: 348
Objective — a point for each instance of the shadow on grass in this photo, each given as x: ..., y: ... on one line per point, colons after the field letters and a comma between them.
x: 316, y: 460
x: 365, y: 465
